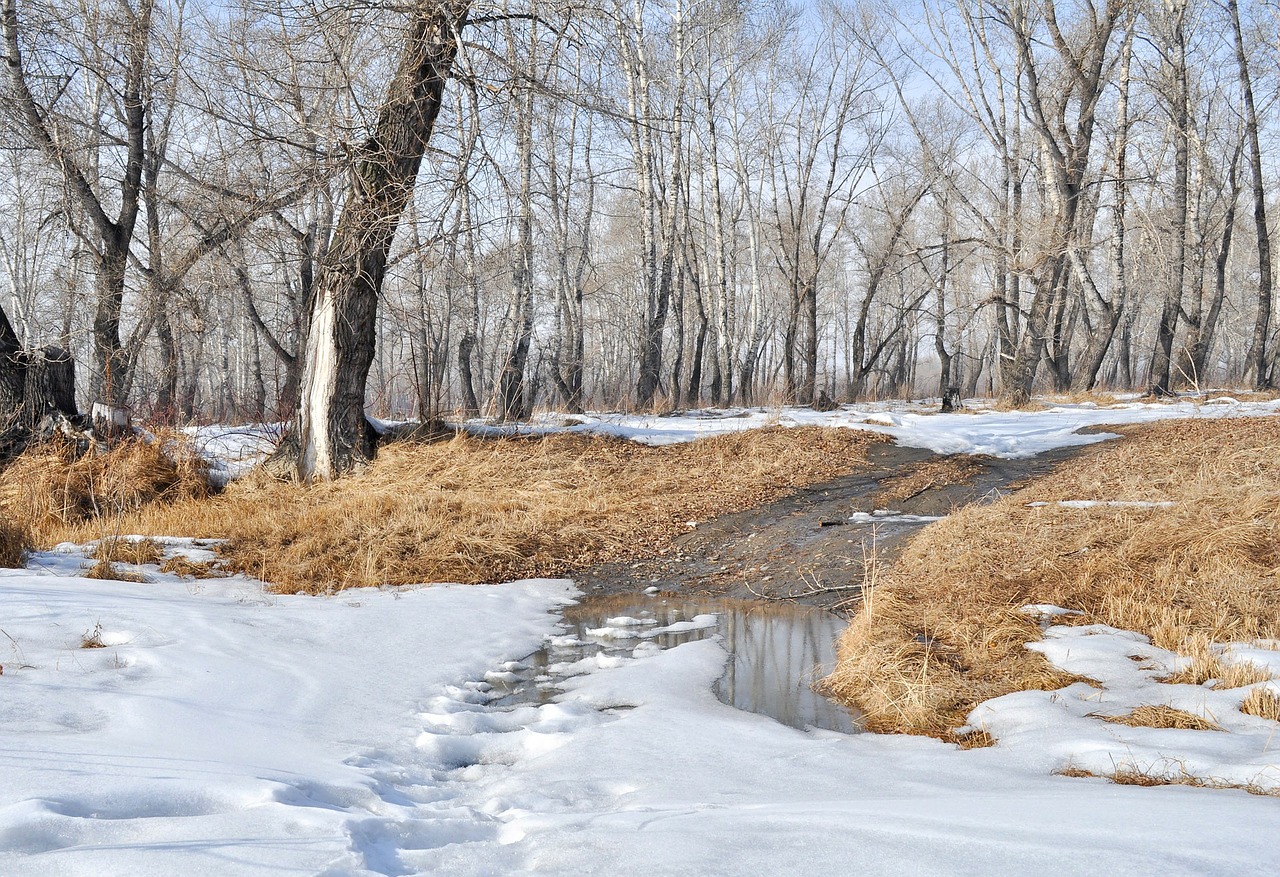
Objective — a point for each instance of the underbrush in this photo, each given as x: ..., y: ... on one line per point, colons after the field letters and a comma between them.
x: 943, y: 630
x: 15, y: 541
x: 51, y: 488
x: 475, y: 510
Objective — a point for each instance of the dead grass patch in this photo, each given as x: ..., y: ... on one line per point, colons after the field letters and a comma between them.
x: 15, y: 542
x: 926, y: 476
x: 1207, y: 666
x: 978, y: 738
x: 118, y: 549
x: 1263, y: 703
x: 92, y: 639
x: 1130, y: 775
x: 475, y: 510
x: 1153, y: 716
x: 108, y: 571
x: 1204, y: 569
x: 181, y: 566
x: 52, y: 489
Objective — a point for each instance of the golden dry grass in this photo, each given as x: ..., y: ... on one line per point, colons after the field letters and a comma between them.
x: 108, y: 571
x: 1263, y: 703
x: 926, y: 476
x: 115, y: 549
x: 15, y: 541
x: 51, y: 489
x: 1207, y: 665
x: 474, y: 510
x: 942, y: 632
x: 1160, y: 716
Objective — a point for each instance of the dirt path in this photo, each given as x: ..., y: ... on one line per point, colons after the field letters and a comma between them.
x: 805, y: 547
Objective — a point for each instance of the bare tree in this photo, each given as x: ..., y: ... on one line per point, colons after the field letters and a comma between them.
x: 334, y: 434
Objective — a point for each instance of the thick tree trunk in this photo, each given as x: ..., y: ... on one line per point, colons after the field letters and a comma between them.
x: 1257, y: 361
x: 334, y: 434
x: 12, y: 373
x: 1162, y: 358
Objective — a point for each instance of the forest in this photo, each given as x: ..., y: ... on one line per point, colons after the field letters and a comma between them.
x: 226, y: 211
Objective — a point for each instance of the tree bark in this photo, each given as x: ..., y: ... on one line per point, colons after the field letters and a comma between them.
x: 334, y: 434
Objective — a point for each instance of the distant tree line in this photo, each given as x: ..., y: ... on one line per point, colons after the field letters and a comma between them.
x: 275, y: 209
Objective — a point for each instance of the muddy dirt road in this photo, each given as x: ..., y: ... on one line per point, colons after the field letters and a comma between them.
x: 814, y: 545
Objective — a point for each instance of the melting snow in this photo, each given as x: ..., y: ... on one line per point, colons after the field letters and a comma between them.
x: 224, y: 730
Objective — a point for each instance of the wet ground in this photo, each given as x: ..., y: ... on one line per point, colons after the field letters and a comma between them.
x: 773, y: 582
x: 814, y: 546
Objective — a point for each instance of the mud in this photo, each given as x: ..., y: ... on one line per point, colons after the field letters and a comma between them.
x: 813, y: 546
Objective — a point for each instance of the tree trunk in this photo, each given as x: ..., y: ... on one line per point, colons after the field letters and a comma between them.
x: 334, y: 435
x: 1257, y: 347
x: 1162, y: 358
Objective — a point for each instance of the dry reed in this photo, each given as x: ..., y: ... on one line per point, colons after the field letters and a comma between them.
x: 15, y: 541
x: 51, y: 487
x: 943, y: 631
x: 1161, y: 716
x: 1263, y: 703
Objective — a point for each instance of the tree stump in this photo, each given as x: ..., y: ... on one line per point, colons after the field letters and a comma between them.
x: 824, y: 402
x: 49, y: 386
x: 37, y: 398
x: 951, y: 400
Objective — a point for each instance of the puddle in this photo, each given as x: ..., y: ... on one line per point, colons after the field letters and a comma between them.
x: 776, y: 652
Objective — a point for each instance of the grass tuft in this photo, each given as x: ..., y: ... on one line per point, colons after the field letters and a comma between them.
x: 1133, y: 775
x: 181, y: 566
x: 92, y: 639
x: 1263, y: 703
x: 1153, y: 716
x: 119, y: 549
x: 53, y: 488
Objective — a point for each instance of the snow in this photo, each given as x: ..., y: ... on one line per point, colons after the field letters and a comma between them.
x: 1054, y: 730
x: 226, y: 730
x: 221, y: 729
x: 976, y: 430
x: 231, y: 451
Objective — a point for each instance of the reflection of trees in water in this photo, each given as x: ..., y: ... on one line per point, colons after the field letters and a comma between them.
x: 776, y: 652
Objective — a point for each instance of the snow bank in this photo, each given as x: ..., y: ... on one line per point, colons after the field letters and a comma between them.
x: 221, y: 730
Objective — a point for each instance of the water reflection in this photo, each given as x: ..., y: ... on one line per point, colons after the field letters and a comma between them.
x: 776, y: 652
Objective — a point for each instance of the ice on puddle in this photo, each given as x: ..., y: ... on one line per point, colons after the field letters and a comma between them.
x: 613, y: 632
x: 1047, y: 610
x: 698, y: 622
x: 628, y: 621
x: 888, y: 516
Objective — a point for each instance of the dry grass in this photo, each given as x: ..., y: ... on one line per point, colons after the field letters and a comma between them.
x: 115, y: 549
x: 181, y: 566
x: 1263, y: 703
x: 1132, y: 775
x: 473, y: 510
x: 15, y: 541
x: 52, y: 489
x: 1150, y: 716
x: 1207, y: 666
x: 978, y: 738
x: 925, y: 476
x: 943, y: 631
x: 108, y: 571
x: 92, y: 639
